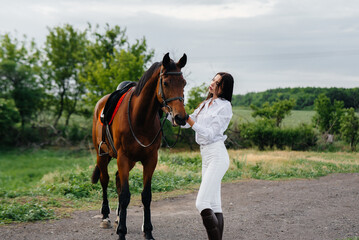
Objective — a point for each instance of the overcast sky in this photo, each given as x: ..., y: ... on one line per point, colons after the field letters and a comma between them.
x: 264, y: 44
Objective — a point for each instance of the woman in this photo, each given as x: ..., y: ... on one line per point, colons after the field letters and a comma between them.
x: 209, y: 121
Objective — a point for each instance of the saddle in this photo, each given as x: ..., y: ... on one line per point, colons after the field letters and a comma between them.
x: 108, y: 113
x: 114, y: 102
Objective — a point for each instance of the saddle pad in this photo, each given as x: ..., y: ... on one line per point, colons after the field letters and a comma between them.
x: 113, y: 103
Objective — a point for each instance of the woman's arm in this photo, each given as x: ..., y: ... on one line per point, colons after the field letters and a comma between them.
x: 193, y: 117
x: 219, y: 124
x: 190, y: 121
x: 188, y: 125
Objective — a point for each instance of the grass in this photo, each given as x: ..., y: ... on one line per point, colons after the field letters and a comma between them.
x: 297, y: 117
x: 21, y: 170
x: 272, y: 165
x: 50, y: 183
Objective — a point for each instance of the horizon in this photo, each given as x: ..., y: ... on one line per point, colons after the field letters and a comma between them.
x: 270, y: 89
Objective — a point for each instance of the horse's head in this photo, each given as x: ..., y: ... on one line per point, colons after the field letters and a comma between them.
x: 170, y: 89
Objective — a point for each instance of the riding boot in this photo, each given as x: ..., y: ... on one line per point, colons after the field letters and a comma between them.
x: 220, y: 223
x: 210, y: 222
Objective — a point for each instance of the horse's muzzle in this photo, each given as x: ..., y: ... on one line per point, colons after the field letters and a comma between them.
x: 180, y: 120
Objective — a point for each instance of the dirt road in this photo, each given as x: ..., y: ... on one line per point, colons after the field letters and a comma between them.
x: 325, y: 208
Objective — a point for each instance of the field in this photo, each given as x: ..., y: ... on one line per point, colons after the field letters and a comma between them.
x: 51, y: 183
x: 37, y: 184
x: 294, y: 119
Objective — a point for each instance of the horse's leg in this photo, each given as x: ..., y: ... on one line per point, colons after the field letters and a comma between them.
x: 118, y: 190
x: 148, y: 169
x: 102, y: 164
x: 124, y: 166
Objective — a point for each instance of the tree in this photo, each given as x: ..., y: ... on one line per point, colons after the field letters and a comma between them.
x: 9, y: 117
x: 277, y: 111
x: 195, y: 96
x: 18, y: 80
x: 112, y: 60
x: 65, y: 50
x: 349, y: 128
x: 327, y: 117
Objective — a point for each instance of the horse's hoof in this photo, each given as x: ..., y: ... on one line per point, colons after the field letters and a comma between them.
x: 106, y: 223
x: 121, y: 237
x: 148, y: 236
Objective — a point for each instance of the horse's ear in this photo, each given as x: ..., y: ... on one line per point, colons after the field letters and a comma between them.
x: 166, y: 60
x: 182, y: 62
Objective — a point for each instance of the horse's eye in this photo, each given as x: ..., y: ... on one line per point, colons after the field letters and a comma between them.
x: 165, y: 83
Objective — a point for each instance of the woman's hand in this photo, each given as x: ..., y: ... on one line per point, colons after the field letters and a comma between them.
x: 190, y: 121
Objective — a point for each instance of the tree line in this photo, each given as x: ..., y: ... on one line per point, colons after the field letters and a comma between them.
x: 331, y: 122
x: 304, y: 98
x: 39, y: 86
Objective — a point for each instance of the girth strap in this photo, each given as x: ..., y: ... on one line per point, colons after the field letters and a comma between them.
x: 109, y: 138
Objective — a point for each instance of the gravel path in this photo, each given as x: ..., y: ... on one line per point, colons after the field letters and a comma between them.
x: 325, y: 208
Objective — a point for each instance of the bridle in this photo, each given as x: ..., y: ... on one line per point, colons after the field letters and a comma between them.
x: 163, y: 104
x: 161, y: 93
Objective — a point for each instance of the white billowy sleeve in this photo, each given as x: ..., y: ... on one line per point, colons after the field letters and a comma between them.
x: 193, y: 116
x: 218, y: 124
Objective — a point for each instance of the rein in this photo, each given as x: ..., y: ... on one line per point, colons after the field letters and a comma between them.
x: 164, y: 138
x: 131, y: 128
x: 164, y: 104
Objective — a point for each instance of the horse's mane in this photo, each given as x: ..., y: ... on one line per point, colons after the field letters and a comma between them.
x: 148, y: 74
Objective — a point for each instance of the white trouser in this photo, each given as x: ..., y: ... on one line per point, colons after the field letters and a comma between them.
x: 215, y: 163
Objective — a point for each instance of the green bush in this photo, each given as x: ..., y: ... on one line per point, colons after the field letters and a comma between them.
x: 31, y: 134
x: 304, y: 137
x: 77, y: 134
x: 264, y: 134
x: 259, y: 133
x: 9, y: 117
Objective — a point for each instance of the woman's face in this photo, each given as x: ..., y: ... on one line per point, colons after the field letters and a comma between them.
x: 214, y: 87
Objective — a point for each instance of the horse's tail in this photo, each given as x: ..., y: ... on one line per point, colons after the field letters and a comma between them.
x: 95, y: 175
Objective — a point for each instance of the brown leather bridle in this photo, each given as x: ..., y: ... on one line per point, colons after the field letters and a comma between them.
x: 161, y: 93
x: 163, y: 103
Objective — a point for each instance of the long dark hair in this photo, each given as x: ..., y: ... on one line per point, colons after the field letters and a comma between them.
x: 226, y: 86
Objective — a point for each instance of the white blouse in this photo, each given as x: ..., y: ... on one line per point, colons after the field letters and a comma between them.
x: 212, y: 121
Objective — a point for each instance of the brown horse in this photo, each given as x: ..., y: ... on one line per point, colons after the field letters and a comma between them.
x: 136, y: 131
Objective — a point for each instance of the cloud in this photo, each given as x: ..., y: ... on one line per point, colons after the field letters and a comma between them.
x: 200, y: 12
x: 187, y: 10
x: 260, y: 81
x: 263, y: 43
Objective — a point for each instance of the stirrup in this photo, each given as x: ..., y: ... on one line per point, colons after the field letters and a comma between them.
x: 99, y: 149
